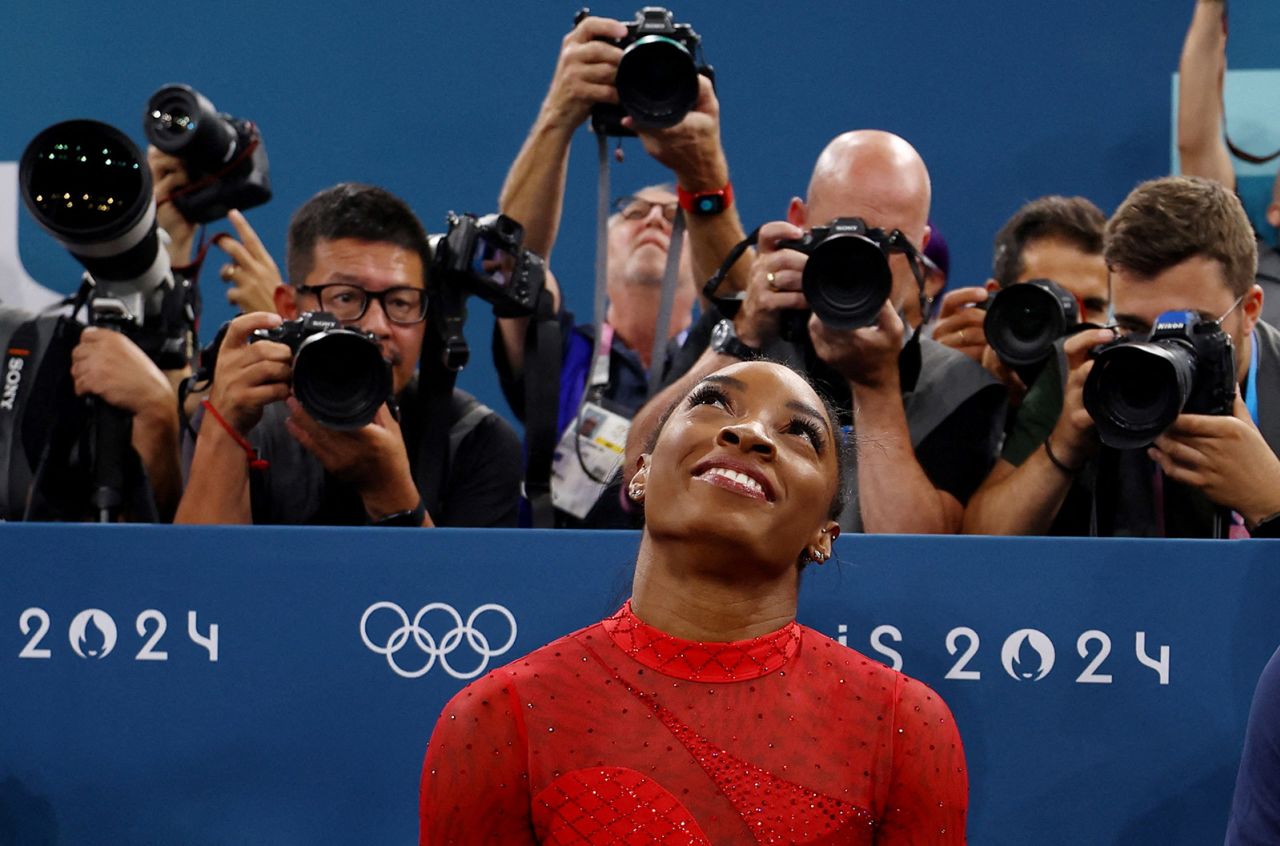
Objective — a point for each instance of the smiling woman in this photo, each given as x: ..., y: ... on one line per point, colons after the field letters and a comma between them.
x: 702, y: 712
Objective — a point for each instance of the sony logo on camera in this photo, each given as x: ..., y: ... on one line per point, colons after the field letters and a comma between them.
x: 12, y: 379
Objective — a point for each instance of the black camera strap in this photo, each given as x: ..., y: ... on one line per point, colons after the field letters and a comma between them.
x: 542, y: 357
x: 670, y: 281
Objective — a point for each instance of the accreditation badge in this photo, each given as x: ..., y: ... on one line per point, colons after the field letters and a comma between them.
x: 587, y: 458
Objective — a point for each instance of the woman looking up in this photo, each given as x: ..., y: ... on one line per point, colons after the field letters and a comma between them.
x: 701, y: 712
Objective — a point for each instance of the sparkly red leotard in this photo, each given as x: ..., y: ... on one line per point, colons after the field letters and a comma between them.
x: 619, y: 733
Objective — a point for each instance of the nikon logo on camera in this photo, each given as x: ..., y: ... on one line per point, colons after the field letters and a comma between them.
x: 12, y: 377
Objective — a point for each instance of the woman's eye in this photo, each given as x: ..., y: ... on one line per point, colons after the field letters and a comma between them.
x: 807, y: 430
x: 709, y: 395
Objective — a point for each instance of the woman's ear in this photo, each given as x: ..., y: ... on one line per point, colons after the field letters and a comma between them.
x: 635, y: 488
x: 823, y: 540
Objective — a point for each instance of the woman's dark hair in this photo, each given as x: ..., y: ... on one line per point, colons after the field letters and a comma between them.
x: 842, y: 441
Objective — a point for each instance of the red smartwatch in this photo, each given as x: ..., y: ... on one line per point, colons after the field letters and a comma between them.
x: 705, y: 202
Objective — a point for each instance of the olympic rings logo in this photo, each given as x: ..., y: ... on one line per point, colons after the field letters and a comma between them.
x: 438, y: 650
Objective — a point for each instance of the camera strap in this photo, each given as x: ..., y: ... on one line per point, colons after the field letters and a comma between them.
x: 19, y: 371
x: 542, y: 357
x: 670, y: 280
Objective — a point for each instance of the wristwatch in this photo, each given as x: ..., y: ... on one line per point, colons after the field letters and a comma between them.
x: 704, y: 203
x: 724, y: 340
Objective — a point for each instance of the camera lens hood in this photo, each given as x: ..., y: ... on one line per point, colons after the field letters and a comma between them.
x: 657, y: 81
x: 340, y: 378
x: 846, y: 280
x: 88, y: 186
x: 1023, y: 322
x: 1136, y: 390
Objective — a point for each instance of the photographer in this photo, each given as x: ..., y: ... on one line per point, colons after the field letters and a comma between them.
x: 251, y: 273
x: 1175, y: 243
x: 1056, y: 238
x: 923, y: 442
x: 360, y: 253
x: 639, y: 237
x: 1202, y: 144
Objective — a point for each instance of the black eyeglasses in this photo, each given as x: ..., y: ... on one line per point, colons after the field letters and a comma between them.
x: 402, y: 305
x: 638, y: 208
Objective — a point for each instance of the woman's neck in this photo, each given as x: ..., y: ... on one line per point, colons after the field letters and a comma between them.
x: 680, y: 589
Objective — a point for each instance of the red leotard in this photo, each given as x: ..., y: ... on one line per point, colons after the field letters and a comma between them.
x: 619, y: 733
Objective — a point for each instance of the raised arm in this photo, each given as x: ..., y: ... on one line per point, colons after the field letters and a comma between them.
x: 1201, y: 72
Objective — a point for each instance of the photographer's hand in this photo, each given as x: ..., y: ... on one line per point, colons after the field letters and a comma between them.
x: 773, y: 285
x: 252, y: 272
x: 372, y: 458
x: 1074, y: 440
x: 959, y: 324
x: 113, y: 368
x: 168, y: 174
x: 1226, y: 457
x: 867, y: 357
x: 249, y: 376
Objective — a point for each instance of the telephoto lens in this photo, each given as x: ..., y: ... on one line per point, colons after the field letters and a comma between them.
x: 1024, y: 320
x: 88, y: 186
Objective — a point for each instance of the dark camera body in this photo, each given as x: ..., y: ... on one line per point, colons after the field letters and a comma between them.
x: 483, y: 256
x: 657, y: 77
x: 339, y: 374
x: 1138, y: 387
x: 1025, y: 320
x: 224, y: 155
x: 847, y: 277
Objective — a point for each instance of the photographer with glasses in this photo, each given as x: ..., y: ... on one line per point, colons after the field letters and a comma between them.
x: 1179, y: 249
x: 359, y: 254
x: 596, y: 411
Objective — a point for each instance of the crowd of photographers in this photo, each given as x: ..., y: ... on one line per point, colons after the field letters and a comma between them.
x: 1114, y: 376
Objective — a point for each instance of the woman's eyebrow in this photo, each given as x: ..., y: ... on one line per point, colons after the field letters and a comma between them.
x: 725, y: 380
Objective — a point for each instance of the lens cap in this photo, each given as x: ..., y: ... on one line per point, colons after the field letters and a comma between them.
x: 846, y: 281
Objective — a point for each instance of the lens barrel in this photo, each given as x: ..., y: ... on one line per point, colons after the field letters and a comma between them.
x: 184, y: 123
x: 1136, y: 390
x: 846, y: 281
x: 1024, y: 320
x: 88, y: 186
x: 657, y: 81
x: 340, y: 378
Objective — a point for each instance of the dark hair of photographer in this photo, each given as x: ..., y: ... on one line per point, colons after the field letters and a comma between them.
x: 1074, y: 220
x: 739, y: 487
x: 1167, y: 222
x: 352, y: 210
x: 1175, y: 244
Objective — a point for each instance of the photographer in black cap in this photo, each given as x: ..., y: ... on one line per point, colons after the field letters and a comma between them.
x: 640, y: 234
x: 1177, y: 246
x: 925, y: 429
x: 359, y: 253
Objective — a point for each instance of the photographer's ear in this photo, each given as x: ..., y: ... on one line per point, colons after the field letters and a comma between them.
x: 797, y: 213
x: 286, y: 300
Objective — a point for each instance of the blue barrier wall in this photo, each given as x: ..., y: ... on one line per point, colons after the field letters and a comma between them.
x: 1006, y: 101
x: 1101, y: 687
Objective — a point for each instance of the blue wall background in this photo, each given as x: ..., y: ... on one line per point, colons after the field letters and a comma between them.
x: 1006, y: 101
